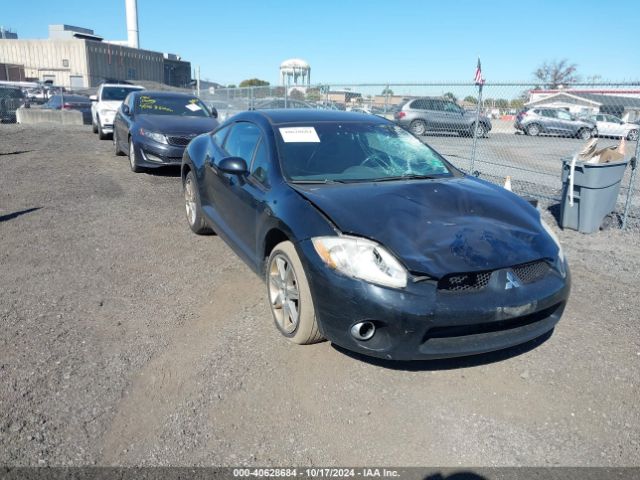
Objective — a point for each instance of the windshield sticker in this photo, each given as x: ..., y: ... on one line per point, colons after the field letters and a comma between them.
x: 193, y: 107
x: 299, y: 135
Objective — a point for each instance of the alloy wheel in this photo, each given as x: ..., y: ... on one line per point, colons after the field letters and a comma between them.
x: 190, y: 201
x: 633, y: 135
x: 284, y: 295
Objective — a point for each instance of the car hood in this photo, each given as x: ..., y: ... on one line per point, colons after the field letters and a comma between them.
x: 437, y: 227
x: 176, y: 124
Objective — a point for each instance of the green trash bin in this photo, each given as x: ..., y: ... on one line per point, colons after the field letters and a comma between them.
x: 595, y: 192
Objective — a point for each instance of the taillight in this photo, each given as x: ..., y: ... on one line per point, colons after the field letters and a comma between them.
x: 67, y: 106
x: 400, y: 114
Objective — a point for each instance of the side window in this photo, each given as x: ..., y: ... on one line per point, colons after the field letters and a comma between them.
x: 218, y: 137
x: 419, y: 104
x: 437, y: 105
x: 562, y: 115
x: 549, y: 113
x: 242, y: 140
x: 451, y: 107
x: 260, y: 166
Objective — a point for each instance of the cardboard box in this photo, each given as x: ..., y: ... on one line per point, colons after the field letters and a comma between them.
x: 591, y: 154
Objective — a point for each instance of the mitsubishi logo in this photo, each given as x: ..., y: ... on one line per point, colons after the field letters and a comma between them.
x: 512, y: 281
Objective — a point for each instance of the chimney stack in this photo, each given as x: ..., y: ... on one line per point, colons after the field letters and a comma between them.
x: 132, y: 23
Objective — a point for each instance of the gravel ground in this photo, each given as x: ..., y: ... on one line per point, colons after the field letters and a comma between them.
x: 127, y: 340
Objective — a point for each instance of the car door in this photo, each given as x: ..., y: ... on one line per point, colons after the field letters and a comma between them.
x: 454, y: 117
x: 121, y: 123
x: 566, y: 122
x: 229, y: 204
x: 615, y: 126
x: 437, y: 116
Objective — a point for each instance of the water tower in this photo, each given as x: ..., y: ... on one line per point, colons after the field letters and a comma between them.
x: 295, y: 72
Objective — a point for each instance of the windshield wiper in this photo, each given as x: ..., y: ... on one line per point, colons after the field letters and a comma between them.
x: 412, y: 176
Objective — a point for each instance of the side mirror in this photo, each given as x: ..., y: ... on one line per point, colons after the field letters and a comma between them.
x: 125, y: 109
x: 233, y: 166
x: 93, y: 98
x: 214, y: 112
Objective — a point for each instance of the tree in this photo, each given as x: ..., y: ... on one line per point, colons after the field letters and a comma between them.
x: 296, y: 94
x: 471, y: 99
x: 254, y: 82
x: 556, y: 73
x: 450, y: 96
x: 231, y: 85
x: 387, y: 91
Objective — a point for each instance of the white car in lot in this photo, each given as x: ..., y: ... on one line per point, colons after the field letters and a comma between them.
x: 105, y: 104
x: 612, y: 126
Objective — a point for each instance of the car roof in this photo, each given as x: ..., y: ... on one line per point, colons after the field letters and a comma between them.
x: 123, y: 85
x: 300, y: 115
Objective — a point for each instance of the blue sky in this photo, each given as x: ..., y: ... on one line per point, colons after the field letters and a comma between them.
x: 363, y: 41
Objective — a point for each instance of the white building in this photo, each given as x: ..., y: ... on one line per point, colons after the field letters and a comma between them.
x: 621, y: 103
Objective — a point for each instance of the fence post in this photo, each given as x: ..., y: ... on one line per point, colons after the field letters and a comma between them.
x: 634, y: 167
x: 475, y: 130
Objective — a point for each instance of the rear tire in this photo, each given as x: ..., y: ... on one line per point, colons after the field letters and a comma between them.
x: 418, y: 127
x: 632, y: 135
x: 193, y: 207
x: 289, y: 296
x: 533, y: 130
x: 133, y: 163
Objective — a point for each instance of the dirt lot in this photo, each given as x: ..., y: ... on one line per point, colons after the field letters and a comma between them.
x: 127, y: 340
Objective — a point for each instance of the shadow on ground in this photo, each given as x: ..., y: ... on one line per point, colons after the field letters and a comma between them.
x: 11, y: 216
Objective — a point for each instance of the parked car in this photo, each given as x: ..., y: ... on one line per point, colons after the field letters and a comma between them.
x: 79, y: 103
x: 155, y: 127
x: 105, y: 104
x: 431, y: 114
x: 280, y: 103
x: 536, y: 121
x: 448, y: 264
x: 612, y: 126
x: 11, y: 98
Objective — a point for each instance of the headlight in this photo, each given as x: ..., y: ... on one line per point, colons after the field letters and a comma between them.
x: 361, y: 258
x: 561, y: 263
x: 104, y: 113
x: 156, y: 137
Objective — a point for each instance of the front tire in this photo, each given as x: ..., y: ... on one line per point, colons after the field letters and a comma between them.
x: 418, y: 127
x: 480, y: 132
x: 133, y: 163
x: 94, y: 127
x: 533, y: 130
x: 116, y: 148
x: 193, y: 207
x: 632, y: 135
x: 101, y: 134
x: 584, y: 134
x: 289, y: 296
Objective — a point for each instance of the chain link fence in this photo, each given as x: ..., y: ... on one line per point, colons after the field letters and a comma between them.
x: 516, y: 131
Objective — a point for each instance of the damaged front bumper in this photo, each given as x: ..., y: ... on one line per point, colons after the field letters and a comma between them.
x: 422, y: 321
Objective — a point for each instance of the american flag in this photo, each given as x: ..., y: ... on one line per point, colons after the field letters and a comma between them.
x: 478, y: 79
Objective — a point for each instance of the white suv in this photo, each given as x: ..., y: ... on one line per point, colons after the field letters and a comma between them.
x: 105, y: 105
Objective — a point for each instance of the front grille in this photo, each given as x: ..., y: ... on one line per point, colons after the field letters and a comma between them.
x: 180, y: 141
x: 475, y: 281
x: 531, y: 272
x: 461, y: 282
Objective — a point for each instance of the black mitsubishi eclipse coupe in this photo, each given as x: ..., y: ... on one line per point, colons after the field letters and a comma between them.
x: 369, y: 238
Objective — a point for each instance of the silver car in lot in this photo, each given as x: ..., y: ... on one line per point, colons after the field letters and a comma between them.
x: 435, y: 114
x: 557, y: 121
